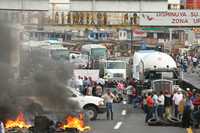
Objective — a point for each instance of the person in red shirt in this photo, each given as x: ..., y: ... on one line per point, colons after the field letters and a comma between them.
x: 189, y: 92
x: 150, y: 103
x: 196, y: 101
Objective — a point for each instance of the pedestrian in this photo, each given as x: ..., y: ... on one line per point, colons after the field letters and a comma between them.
x: 129, y: 93
x: 108, y: 98
x: 196, y: 118
x: 150, y: 104
x: 161, y: 102
x: 189, y: 92
x: 134, y: 97
x: 79, y: 84
x: 99, y: 90
x: 168, y: 104
x: 155, y: 106
x: 177, y: 98
x: 188, y: 107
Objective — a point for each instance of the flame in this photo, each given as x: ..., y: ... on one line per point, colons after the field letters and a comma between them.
x: 18, y: 123
x: 75, y: 122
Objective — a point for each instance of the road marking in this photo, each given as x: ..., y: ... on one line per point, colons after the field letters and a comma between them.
x: 124, y: 102
x: 118, y: 125
x: 124, y: 112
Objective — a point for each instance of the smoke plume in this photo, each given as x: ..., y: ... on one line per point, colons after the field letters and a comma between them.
x: 40, y: 83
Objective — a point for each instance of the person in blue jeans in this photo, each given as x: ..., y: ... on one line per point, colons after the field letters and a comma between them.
x: 134, y: 97
x: 161, y: 103
x: 108, y: 98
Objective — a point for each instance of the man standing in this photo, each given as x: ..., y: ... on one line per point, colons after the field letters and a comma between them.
x: 155, y: 106
x: 129, y: 93
x: 109, y: 97
x: 161, y: 102
x: 79, y: 84
x: 150, y: 104
x: 177, y: 98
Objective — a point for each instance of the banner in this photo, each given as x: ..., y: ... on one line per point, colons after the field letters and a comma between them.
x: 171, y: 18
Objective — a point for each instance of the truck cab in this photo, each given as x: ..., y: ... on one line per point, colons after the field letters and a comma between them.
x: 150, y: 65
x: 114, y: 69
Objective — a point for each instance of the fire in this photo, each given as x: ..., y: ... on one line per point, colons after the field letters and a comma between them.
x: 75, y: 122
x: 18, y: 123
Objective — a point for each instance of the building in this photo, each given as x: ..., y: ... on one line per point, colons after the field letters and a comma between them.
x: 155, y: 21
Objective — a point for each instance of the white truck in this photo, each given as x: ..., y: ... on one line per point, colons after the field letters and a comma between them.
x: 114, y: 69
x: 150, y: 66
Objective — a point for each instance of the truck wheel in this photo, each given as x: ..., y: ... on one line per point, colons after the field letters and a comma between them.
x: 91, y: 112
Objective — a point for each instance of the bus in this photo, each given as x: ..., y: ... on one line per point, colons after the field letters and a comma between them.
x: 94, y: 53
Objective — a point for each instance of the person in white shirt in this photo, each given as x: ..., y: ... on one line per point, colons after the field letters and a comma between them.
x: 155, y: 106
x: 177, y: 98
x: 79, y: 84
x: 161, y: 102
x: 108, y: 98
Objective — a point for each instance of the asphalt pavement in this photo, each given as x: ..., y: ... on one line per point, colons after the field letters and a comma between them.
x: 193, y: 77
x: 128, y: 120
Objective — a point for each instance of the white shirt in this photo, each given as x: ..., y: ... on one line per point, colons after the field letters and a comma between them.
x: 79, y: 82
x: 177, y: 98
x: 194, y: 59
x: 161, y: 100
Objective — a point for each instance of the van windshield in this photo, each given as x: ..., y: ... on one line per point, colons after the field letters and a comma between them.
x: 116, y: 65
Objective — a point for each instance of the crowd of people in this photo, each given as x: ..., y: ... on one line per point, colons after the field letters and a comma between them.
x: 183, y: 105
x: 187, y: 62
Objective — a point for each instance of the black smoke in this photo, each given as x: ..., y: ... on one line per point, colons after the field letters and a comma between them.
x: 40, y: 84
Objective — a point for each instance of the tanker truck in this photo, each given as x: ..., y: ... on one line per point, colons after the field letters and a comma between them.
x: 155, y: 70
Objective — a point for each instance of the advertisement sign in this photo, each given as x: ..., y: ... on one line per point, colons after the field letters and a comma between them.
x: 139, y: 33
x: 171, y: 18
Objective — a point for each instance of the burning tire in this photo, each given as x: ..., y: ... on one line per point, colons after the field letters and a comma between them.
x: 91, y: 112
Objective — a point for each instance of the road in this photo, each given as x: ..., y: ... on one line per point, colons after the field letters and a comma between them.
x: 128, y: 120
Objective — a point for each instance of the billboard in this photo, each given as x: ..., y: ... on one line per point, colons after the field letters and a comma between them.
x: 171, y: 18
